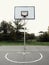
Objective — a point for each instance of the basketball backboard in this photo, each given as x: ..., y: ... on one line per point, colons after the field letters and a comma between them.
x: 27, y: 12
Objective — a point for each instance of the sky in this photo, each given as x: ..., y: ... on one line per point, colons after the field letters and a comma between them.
x: 41, y: 21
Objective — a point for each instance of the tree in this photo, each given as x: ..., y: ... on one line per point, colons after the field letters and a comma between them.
x: 8, y: 31
x: 11, y: 31
x: 43, y: 37
x: 30, y: 36
x: 4, y: 26
x: 18, y: 28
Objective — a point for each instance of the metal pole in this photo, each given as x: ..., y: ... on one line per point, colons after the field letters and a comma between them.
x: 24, y: 36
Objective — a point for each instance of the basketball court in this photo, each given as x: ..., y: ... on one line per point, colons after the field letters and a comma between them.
x: 14, y: 55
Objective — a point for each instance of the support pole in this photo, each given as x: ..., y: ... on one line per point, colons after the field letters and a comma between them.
x: 24, y: 37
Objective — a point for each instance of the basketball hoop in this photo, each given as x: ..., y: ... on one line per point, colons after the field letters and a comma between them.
x: 24, y: 13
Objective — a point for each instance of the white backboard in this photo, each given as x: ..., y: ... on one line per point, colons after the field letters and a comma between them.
x: 24, y: 10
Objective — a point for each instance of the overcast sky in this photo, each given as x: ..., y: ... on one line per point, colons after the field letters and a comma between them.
x: 41, y: 21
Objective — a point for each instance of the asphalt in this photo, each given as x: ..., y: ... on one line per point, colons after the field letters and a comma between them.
x: 15, y: 55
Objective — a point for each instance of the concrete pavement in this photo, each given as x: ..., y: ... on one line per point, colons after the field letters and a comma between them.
x: 15, y: 55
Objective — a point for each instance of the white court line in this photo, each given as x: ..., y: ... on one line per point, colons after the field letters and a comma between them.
x: 6, y: 57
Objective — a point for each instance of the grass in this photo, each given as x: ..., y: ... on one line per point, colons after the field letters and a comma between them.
x: 22, y: 43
